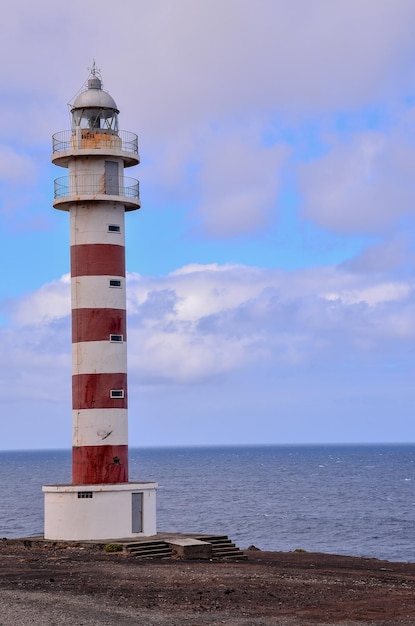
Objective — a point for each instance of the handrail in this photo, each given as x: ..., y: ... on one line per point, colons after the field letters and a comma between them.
x: 95, y: 184
x: 68, y: 140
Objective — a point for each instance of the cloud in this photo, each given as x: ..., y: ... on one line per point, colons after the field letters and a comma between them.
x: 227, y: 178
x: 20, y: 176
x: 267, y: 56
x: 363, y: 184
x: 201, y: 109
x: 48, y: 304
x: 239, y: 183
x: 16, y: 167
x: 392, y: 255
x: 202, y: 322
x: 215, y: 332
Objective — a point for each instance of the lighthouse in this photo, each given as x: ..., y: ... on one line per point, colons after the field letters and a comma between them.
x: 100, y: 503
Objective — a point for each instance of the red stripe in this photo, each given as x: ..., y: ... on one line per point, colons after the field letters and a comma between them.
x: 95, y: 465
x: 97, y: 259
x: 98, y: 324
x: 92, y: 391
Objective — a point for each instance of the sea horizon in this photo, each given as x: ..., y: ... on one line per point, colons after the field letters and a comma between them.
x: 229, y: 445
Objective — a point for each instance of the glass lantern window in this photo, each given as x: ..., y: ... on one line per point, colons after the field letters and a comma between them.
x: 100, y: 119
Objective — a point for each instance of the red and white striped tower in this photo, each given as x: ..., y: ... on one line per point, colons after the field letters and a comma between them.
x: 98, y: 197
x: 97, y: 194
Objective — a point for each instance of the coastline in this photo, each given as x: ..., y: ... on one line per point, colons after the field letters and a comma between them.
x: 51, y: 582
x: 344, y: 507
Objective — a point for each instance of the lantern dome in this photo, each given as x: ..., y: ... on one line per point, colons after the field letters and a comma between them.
x: 95, y: 108
x: 94, y: 97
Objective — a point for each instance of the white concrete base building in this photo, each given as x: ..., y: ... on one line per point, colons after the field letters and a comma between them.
x: 100, y: 512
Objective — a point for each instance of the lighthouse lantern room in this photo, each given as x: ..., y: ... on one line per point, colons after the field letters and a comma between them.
x: 100, y: 503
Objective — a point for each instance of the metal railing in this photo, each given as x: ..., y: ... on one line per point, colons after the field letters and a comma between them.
x: 95, y: 184
x: 67, y: 140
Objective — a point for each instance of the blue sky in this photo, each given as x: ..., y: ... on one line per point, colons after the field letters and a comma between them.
x: 271, y: 268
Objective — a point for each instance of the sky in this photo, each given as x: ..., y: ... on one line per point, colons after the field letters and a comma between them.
x: 271, y: 291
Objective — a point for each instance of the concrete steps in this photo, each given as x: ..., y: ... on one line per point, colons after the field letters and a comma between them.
x: 185, y: 546
x: 149, y: 549
x: 223, y: 547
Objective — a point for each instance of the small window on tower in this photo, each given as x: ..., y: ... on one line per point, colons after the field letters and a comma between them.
x: 115, y: 282
x: 116, y: 338
x: 117, y: 393
x: 114, y: 228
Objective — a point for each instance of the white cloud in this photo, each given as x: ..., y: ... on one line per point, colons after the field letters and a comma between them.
x: 203, y: 322
x: 16, y: 167
x: 191, y: 62
x: 374, y: 294
x: 267, y: 56
x: 199, y: 68
x: 212, y: 331
x: 390, y: 255
x: 364, y: 184
x: 19, y: 178
x: 46, y: 305
x: 228, y: 178
x: 203, y: 290
x: 239, y: 183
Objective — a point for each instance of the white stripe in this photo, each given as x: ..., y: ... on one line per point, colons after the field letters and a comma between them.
x: 89, y: 223
x: 99, y: 357
x: 100, y: 427
x: 95, y: 292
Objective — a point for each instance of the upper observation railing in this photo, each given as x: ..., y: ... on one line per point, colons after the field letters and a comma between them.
x: 87, y: 139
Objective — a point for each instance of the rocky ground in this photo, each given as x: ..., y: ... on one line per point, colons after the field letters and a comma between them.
x: 51, y: 584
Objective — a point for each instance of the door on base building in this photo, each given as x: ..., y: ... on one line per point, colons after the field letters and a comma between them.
x: 112, y: 183
x: 137, y: 513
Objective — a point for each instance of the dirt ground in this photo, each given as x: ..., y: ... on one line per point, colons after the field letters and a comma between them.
x: 50, y: 584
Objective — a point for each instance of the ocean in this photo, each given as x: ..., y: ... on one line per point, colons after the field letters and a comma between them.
x: 355, y: 500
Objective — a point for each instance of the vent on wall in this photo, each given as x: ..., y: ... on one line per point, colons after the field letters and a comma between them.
x: 116, y: 338
x: 115, y: 282
x: 117, y: 393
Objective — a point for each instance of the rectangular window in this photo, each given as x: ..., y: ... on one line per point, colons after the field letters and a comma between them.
x: 115, y: 282
x: 114, y: 228
x: 84, y: 494
x: 117, y: 393
x: 116, y: 338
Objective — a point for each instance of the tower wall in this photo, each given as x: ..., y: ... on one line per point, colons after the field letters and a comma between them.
x: 99, y: 348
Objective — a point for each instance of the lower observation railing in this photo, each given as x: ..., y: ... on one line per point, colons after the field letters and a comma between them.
x: 69, y: 186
